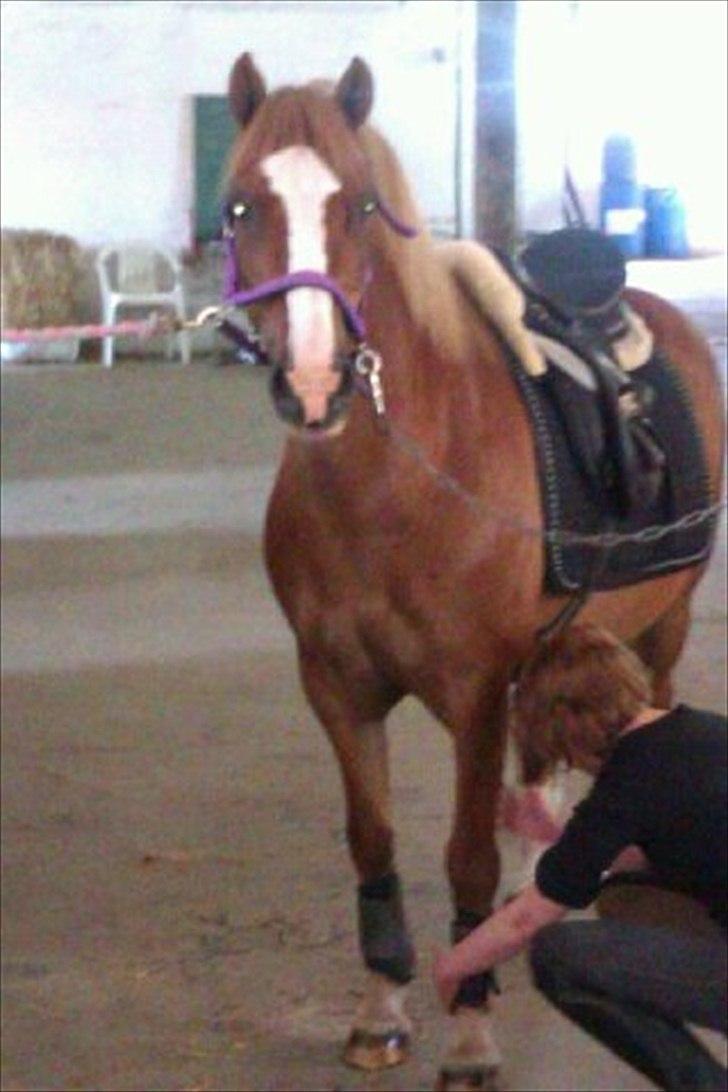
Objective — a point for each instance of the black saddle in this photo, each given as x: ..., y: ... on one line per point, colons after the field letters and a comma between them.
x: 578, y: 274
x: 573, y: 281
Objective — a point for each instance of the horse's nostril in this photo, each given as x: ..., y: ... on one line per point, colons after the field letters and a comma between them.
x: 286, y: 402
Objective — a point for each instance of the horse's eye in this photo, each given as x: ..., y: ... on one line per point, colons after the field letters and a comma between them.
x: 368, y: 206
x: 240, y: 209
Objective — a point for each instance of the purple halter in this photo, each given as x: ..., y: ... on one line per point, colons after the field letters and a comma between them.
x: 305, y: 278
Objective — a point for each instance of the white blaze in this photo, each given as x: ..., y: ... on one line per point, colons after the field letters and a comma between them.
x: 304, y: 183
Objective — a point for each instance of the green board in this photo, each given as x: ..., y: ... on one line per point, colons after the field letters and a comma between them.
x: 214, y: 134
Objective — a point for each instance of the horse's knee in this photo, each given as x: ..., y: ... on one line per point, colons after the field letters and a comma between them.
x: 372, y: 848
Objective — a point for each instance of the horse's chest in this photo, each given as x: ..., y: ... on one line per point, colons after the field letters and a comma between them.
x: 394, y: 630
x: 399, y: 591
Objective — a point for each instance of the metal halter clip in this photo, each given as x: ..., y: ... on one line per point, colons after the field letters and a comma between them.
x: 368, y: 364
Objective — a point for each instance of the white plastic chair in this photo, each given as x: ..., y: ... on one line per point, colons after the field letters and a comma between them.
x: 140, y: 275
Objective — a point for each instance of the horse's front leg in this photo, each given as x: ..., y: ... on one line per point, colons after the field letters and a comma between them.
x: 380, y: 1034
x: 472, y: 1058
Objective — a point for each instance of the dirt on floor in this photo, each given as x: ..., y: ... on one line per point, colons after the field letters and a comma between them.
x: 178, y: 903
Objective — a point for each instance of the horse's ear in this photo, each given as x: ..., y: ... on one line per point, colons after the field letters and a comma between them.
x: 355, y: 92
x: 246, y: 89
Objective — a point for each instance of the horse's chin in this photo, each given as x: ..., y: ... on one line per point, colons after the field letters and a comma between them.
x: 316, y: 434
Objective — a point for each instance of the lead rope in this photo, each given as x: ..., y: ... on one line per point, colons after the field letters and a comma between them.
x: 606, y: 540
x: 143, y: 328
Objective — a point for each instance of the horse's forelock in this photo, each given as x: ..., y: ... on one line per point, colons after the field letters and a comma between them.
x: 307, y: 116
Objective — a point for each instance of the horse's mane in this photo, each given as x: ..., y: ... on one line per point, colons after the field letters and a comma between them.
x: 427, y: 283
x: 310, y: 115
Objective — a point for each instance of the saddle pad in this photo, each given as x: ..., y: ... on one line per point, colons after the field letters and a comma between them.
x: 571, y: 504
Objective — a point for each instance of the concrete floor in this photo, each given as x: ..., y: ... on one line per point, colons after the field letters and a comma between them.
x: 177, y: 896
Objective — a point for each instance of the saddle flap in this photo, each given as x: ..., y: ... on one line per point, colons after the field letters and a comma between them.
x: 605, y: 418
x: 579, y: 489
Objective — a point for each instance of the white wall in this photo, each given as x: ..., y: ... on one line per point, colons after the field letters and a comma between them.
x: 656, y: 71
x: 96, y: 113
x: 543, y: 87
x: 96, y: 123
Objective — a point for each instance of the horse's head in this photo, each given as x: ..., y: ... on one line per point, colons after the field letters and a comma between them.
x: 299, y: 200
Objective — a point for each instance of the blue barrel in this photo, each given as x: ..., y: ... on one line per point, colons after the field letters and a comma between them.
x: 621, y: 197
x: 619, y: 159
x: 665, y: 229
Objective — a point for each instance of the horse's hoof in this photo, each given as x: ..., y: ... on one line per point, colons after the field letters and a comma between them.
x: 376, y: 1050
x: 471, y: 1079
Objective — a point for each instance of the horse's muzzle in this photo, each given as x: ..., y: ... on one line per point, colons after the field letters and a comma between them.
x: 333, y: 407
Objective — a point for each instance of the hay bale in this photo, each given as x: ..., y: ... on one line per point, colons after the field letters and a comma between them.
x: 43, y: 278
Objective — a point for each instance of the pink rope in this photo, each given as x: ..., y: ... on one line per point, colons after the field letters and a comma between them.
x: 142, y: 328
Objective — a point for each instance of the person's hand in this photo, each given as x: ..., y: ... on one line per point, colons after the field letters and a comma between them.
x: 526, y: 813
x: 446, y: 982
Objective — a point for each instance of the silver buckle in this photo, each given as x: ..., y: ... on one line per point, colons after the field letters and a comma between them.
x: 368, y: 364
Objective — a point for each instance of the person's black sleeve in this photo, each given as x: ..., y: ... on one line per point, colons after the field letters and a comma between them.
x: 570, y: 871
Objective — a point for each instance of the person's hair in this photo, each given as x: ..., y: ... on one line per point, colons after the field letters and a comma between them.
x: 574, y: 696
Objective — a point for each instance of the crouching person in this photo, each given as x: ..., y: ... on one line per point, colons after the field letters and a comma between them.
x: 656, y: 961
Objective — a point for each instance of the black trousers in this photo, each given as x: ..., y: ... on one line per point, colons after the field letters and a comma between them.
x: 634, y: 987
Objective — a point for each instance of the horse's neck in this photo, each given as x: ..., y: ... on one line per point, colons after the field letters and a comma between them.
x: 438, y: 361
x: 446, y: 378
x: 417, y: 326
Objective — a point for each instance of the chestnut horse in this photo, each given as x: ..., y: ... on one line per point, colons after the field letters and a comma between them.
x: 391, y: 582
